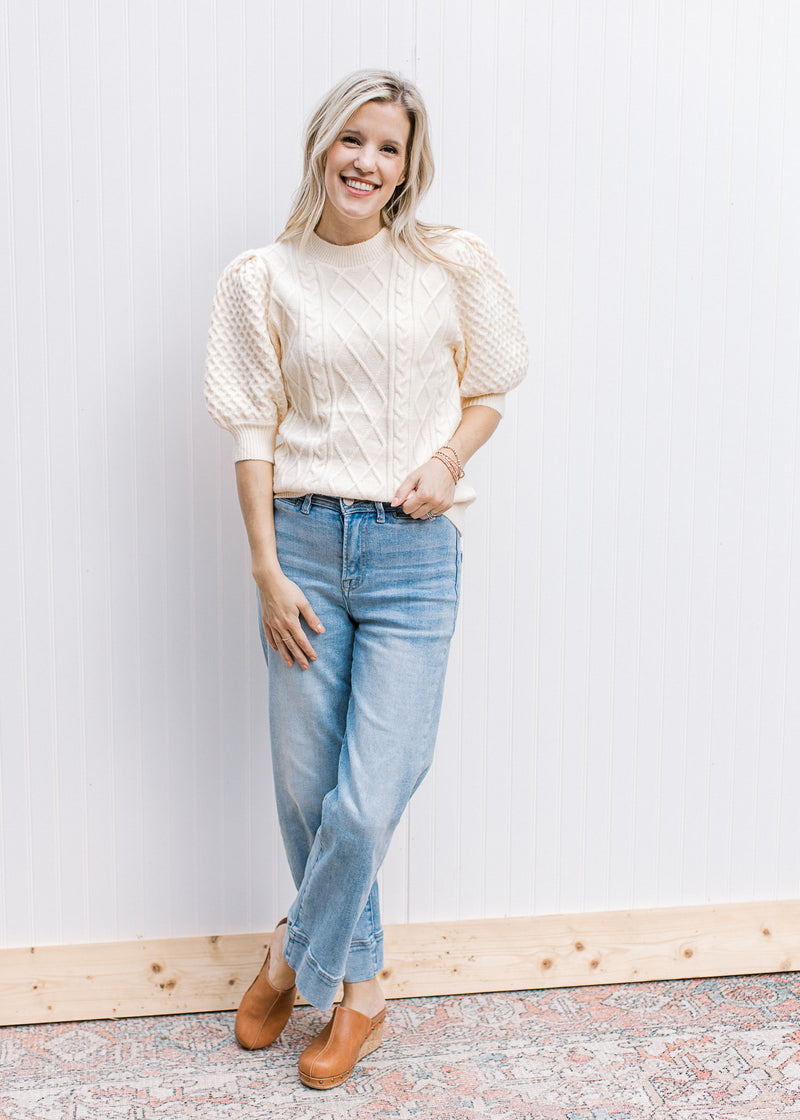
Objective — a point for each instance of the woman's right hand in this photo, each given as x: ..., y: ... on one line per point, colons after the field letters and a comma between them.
x: 282, y: 606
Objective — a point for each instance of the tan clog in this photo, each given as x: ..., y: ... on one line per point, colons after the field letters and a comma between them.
x: 332, y: 1056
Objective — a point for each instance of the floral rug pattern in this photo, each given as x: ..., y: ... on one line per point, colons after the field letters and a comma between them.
x: 714, y: 1049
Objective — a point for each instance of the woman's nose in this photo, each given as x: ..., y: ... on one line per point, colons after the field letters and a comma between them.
x: 365, y: 159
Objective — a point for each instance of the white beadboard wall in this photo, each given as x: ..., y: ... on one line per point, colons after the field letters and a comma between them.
x: 622, y: 719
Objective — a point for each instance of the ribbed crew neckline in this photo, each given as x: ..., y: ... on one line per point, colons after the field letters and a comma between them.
x: 345, y: 256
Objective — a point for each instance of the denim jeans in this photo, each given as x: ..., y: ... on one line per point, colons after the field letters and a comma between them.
x: 353, y: 735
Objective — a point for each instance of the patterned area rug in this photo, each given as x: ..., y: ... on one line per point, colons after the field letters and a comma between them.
x: 672, y: 1050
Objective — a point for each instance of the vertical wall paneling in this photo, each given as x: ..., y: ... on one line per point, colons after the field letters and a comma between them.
x: 620, y: 719
x: 16, y: 915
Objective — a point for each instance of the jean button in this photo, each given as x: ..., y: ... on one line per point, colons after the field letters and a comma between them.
x: 347, y: 501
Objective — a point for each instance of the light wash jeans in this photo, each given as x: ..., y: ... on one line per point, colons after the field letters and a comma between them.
x: 353, y: 735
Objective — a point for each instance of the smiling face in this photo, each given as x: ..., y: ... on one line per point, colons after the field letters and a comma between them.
x: 363, y: 166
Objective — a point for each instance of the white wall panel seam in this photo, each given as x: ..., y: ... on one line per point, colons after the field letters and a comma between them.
x: 620, y: 358
x: 508, y: 521
x: 566, y: 543
x: 469, y: 193
x: 592, y: 458
x: 512, y: 522
x: 50, y: 749
x: 718, y: 478
x: 742, y: 537
x: 492, y: 499
x: 757, y: 745
x: 517, y: 512
x: 777, y: 823
x: 635, y: 788
x: 694, y: 474
x: 787, y: 745
x: 193, y: 386
x: 660, y: 69
x: 220, y: 475
x: 78, y: 520
x: 25, y: 859
x: 738, y: 529
x: 667, y: 757
x: 161, y: 396
x: 544, y: 373
x: 583, y: 842
x: 117, y: 681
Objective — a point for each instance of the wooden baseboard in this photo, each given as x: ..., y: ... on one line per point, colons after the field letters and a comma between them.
x: 53, y: 984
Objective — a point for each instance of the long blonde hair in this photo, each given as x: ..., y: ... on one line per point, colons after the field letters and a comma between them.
x: 328, y: 121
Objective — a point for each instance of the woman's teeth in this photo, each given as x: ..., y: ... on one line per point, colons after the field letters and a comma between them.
x: 358, y: 186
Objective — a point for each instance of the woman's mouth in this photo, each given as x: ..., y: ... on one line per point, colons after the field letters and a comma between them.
x: 360, y: 186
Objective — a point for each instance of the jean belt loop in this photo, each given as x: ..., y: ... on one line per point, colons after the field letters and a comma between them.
x: 380, y: 513
x: 307, y: 500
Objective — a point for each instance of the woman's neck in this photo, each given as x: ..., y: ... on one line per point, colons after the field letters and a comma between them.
x: 346, y: 233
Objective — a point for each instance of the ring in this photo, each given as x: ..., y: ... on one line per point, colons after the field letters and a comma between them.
x: 429, y: 516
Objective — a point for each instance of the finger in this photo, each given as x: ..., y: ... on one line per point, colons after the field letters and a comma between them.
x: 414, y: 501
x: 294, y: 651
x: 307, y: 611
x: 299, y: 645
x: 404, y: 489
x: 283, y: 650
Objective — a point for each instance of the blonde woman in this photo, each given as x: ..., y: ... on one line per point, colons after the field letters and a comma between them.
x: 359, y: 362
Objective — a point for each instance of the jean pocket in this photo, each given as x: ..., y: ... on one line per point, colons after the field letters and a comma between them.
x: 287, y: 503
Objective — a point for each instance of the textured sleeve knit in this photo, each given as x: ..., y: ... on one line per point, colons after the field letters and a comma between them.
x: 492, y: 355
x: 244, y: 383
x: 347, y: 366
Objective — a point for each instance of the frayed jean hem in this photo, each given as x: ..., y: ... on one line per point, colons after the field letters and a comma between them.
x: 318, y: 986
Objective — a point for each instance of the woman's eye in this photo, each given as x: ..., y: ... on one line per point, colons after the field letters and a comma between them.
x: 349, y: 140
x: 390, y: 149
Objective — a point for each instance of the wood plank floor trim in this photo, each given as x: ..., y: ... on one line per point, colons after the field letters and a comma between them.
x: 192, y: 974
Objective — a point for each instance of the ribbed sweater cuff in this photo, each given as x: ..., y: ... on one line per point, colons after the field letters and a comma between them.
x: 497, y: 401
x: 251, y: 442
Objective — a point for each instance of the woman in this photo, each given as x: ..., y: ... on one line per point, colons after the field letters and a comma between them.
x: 358, y: 362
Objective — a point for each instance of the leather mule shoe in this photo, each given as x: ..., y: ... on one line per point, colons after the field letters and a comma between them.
x: 264, y: 1010
x: 332, y: 1056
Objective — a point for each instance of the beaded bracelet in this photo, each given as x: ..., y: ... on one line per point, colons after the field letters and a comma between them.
x: 449, y: 456
x: 454, y: 453
x: 448, y: 463
x: 452, y: 462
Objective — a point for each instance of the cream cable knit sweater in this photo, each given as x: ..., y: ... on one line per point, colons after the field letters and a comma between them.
x: 348, y: 366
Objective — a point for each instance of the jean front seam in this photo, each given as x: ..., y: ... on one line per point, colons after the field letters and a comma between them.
x: 353, y: 534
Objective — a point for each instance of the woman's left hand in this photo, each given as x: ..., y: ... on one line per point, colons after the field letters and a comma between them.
x: 427, y: 491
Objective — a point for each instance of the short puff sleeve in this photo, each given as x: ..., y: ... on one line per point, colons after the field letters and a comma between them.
x: 492, y: 354
x: 244, y: 386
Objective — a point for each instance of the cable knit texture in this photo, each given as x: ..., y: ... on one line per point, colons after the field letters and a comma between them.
x: 348, y: 366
